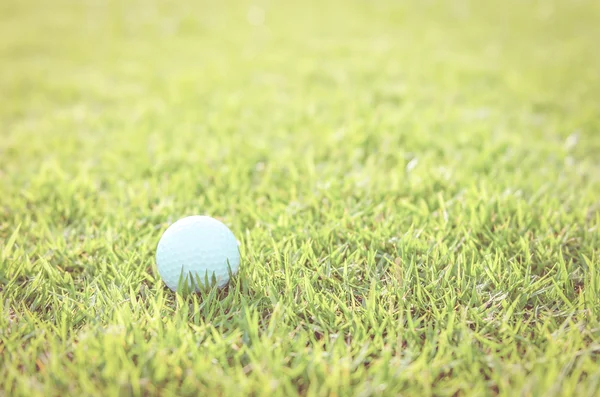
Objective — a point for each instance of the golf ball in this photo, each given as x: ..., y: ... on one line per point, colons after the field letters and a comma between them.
x: 194, y: 250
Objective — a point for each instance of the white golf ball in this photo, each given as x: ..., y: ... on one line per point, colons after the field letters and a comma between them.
x: 195, y: 249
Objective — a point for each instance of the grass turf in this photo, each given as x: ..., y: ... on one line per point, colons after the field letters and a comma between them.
x: 414, y: 184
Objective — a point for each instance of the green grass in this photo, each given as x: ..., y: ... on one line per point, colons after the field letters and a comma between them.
x: 415, y: 186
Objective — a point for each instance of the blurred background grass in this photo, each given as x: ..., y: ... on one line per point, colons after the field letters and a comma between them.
x: 139, y: 77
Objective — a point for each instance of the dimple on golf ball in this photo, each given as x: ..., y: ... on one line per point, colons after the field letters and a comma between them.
x: 194, y: 250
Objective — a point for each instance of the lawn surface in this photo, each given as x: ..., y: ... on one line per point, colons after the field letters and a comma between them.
x: 415, y: 187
